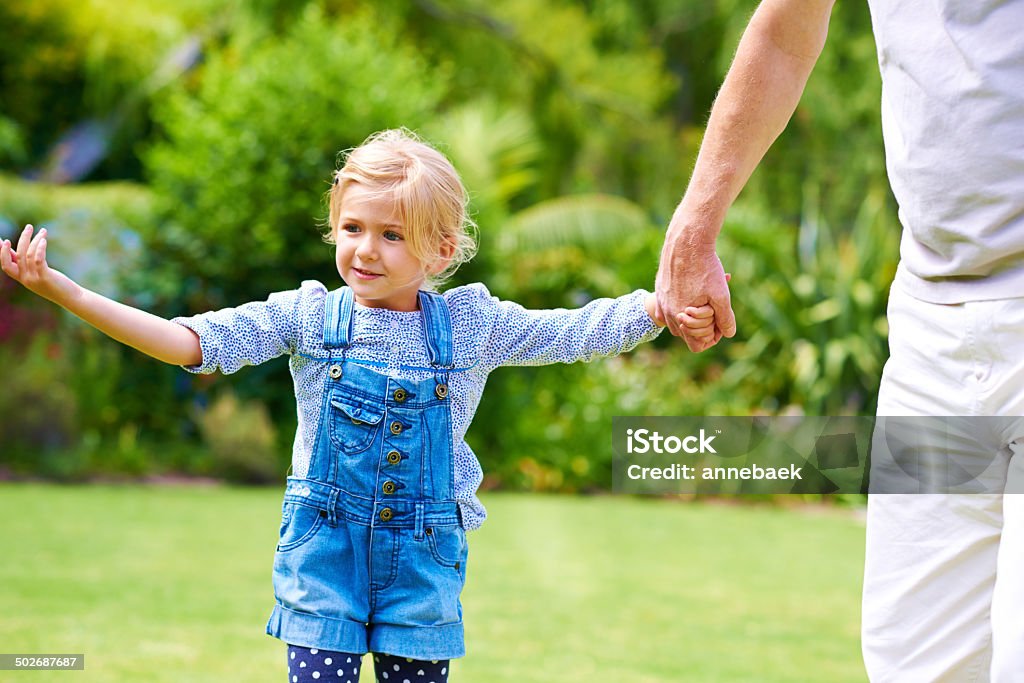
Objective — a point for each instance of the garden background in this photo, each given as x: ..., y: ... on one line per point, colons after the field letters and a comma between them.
x: 179, y: 153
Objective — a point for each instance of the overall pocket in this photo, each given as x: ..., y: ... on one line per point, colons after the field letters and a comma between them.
x: 447, y: 545
x: 299, y: 524
x: 353, y: 424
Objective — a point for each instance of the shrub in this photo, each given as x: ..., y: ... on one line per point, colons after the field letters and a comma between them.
x: 248, y: 148
x: 241, y: 438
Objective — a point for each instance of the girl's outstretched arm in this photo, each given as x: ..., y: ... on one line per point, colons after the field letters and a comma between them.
x: 150, y: 334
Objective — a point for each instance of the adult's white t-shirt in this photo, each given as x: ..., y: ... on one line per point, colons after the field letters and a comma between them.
x: 953, y: 124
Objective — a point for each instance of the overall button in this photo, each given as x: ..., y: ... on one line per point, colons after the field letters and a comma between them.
x: 400, y: 395
x: 394, y: 457
x: 334, y: 371
x: 357, y: 422
x: 441, y: 390
x: 386, y: 514
x: 389, y: 487
x: 396, y: 427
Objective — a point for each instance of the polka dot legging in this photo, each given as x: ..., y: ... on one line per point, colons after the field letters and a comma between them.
x: 309, y: 665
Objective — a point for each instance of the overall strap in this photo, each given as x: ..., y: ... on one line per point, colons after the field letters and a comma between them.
x: 437, y: 325
x: 338, y: 318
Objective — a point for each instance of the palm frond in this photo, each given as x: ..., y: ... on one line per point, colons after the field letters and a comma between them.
x: 594, y: 221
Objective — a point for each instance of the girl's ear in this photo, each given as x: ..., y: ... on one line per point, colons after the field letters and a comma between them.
x: 444, y: 258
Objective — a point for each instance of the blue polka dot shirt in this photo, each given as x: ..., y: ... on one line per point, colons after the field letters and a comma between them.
x: 487, y: 333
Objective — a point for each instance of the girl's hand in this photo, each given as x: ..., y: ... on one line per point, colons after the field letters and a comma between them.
x: 28, y: 266
x: 658, y: 315
x: 699, y: 321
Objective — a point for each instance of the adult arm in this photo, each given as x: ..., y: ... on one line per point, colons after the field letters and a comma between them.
x: 774, y: 59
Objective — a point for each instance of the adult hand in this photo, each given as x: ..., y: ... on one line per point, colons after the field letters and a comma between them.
x: 691, y: 275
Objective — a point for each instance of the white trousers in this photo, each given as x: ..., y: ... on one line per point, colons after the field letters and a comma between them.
x: 944, y: 573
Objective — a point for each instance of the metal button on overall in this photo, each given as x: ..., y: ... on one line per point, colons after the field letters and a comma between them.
x: 400, y: 395
x: 356, y: 421
x: 386, y: 514
x: 394, y: 457
x: 441, y: 390
x: 389, y: 487
x: 334, y: 372
x: 396, y: 427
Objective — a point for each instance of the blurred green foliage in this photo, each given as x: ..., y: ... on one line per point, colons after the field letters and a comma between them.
x: 574, y: 123
x: 247, y: 149
x: 65, y: 61
x: 125, y: 204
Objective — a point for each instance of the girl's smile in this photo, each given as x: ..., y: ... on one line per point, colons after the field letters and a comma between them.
x: 365, y: 274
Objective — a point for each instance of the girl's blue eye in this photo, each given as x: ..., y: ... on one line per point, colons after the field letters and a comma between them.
x: 350, y: 227
x: 392, y: 236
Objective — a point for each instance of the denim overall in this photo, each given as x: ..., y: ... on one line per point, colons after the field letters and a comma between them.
x: 372, y: 554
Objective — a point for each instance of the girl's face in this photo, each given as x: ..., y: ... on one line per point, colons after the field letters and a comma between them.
x: 372, y: 255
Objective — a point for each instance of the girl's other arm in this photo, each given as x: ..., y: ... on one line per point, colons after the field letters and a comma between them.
x: 513, y: 335
x: 651, y: 304
x: 148, y: 333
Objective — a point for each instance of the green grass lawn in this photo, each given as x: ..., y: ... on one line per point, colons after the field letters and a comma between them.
x: 173, y: 584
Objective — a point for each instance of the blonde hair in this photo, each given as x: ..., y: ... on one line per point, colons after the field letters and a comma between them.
x: 428, y: 194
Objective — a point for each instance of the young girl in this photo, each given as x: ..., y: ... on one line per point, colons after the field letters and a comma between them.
x: 387, y: 373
